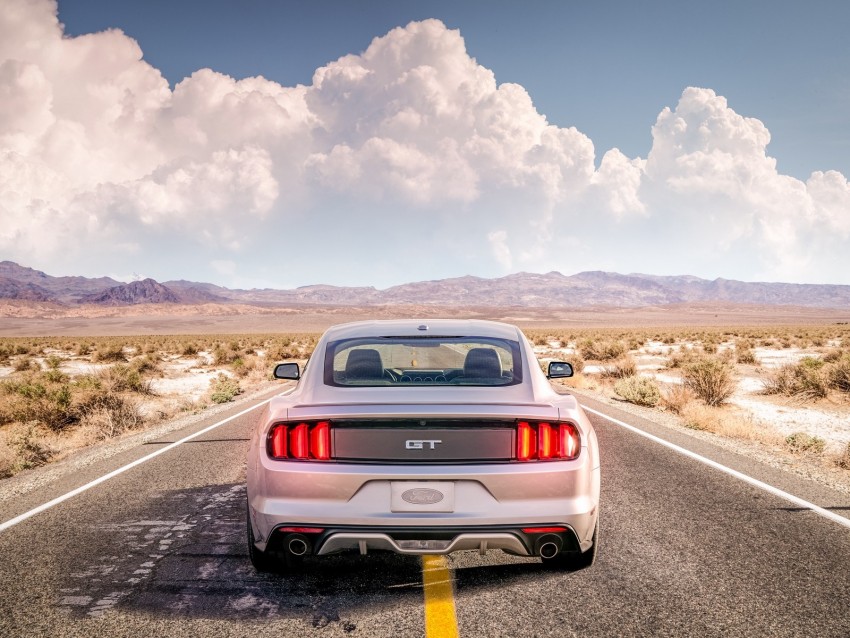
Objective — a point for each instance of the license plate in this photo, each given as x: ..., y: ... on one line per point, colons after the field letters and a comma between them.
x: 422, y: 496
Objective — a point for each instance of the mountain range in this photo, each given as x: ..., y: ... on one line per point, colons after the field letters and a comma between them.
x: 552, y: 289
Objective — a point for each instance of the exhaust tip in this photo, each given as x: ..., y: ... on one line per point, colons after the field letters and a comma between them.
x: 549, y: 545
x: 548, y: 550
x: 297, y: 546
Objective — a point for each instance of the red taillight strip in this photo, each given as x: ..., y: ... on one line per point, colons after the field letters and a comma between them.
x: 545, y: 441
x: 320, y: 441
x: 301, y: 441
x: 570, y: 440
x: 548, y: 442
x: 277, y: 442
x: 526, y: 448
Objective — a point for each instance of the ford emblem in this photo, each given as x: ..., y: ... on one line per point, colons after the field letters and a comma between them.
x: 422, y: 496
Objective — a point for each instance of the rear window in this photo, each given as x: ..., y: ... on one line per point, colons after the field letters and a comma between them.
x: 423, y: 361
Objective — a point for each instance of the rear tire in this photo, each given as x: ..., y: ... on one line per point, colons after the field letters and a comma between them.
x: 574, y: 561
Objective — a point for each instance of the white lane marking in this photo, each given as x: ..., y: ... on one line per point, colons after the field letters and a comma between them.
x: 60, y: 499
x: 836, y: 518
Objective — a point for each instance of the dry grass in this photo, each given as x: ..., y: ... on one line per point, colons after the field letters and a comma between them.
x: 676, y: 397
x: 48, y: 408
x: 620, y: 369
x: 727, y: 423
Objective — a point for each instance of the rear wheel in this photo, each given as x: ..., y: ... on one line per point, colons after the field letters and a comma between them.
x: 268, y: 561
x: 261, y: 561
x: 574, y: 561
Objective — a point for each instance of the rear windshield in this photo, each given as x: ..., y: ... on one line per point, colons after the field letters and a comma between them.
x: 423, y: 361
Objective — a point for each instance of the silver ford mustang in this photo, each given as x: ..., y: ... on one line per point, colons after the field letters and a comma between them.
x: 423, y: 438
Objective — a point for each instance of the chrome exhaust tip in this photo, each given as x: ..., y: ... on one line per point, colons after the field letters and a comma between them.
x: 548, y: 550
x: 297, y: 545
x: 549, y: 546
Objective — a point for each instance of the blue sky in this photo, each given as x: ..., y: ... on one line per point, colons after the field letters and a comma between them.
x: 260, y: 143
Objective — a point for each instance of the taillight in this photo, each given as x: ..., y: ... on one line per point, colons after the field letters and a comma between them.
x: 526, y: 448
x: 300, y: 441
x: 320, y: 441
x: 542, y: 441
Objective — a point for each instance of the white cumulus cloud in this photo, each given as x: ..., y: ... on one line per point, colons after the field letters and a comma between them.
x: 392, y: 165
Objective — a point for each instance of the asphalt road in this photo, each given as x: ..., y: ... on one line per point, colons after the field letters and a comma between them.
x: 686, y: 550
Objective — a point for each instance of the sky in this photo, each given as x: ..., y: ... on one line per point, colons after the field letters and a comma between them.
x: 262, y: 143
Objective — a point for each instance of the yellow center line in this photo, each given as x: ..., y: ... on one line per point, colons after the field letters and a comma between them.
x: 440, y: 618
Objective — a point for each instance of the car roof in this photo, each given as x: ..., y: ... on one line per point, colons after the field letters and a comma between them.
x: 433, y: 328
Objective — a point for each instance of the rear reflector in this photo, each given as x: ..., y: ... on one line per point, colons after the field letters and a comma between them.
x: 301, y: 530
x: 543, y: 530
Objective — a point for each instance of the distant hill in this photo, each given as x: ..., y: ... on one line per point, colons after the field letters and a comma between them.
x: 62, y: 289
x: 552, y: 290
x: 136, y: 292
x: 11, y: 289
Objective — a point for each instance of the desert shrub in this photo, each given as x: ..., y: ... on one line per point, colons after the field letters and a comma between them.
x: 675, y: 397
x: 744, y: 354
x: 223, y: 356
x: 28, y: 448
x: 25, y: 363
x: 36, y: 398
x: 53, y: 362
x: 54, y: 376
x: 148, y: 364
x: 638, y: 390
x: 620, y: 369
x: 832, y: 355
x: 602, y: 350
x: 710, y: 379
x: 635, y: 343
x: 839, y: 374
x: 82, y: 350
x: 189, y: 350
x: 223, y: 388
x: 110, y: 415
x: 280, y: 352
x: 799, y: 442
x: 108, y: 353
x: 123, y: 378
x: 681, y: 358
x: 805, y: 380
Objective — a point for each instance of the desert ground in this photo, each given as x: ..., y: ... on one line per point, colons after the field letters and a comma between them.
x: 34, y: 319
x: 77, y: 380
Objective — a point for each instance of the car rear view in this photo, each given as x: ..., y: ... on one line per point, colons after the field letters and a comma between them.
x: 423, y: 438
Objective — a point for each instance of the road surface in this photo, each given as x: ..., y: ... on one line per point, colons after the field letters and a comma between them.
x: 686, y: 550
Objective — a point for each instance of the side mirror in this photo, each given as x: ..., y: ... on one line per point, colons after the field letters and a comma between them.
x: 287, y: 371
x: 559, y: 370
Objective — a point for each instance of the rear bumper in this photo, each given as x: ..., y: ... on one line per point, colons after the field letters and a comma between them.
x: 424, y: 540
x: 492, y: 505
